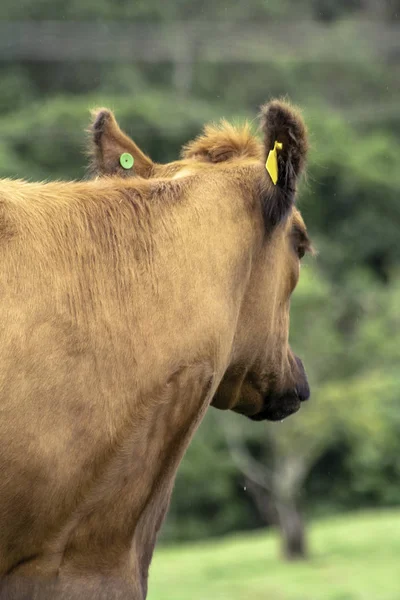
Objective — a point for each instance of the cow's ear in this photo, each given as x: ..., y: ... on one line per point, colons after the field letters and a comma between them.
x: 285, y: 151
x: 111, y: 151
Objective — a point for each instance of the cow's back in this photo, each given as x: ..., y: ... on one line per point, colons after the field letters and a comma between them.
x: 97, y: 320
x: 59, y: 368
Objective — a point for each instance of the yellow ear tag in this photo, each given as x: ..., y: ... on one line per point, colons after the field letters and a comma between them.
x: 272, y: 162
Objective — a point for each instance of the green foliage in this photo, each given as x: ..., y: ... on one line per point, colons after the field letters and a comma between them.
x: 352, y: 199
x: 150, y: 9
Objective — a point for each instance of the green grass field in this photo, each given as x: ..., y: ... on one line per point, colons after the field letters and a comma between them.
x: 353, y: 557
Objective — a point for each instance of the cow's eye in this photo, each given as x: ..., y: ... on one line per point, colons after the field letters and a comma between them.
x: 301, y: 251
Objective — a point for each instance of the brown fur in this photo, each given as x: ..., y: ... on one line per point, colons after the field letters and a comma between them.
x: 223, y: 142
x: 108, y: 142
x: 219, y: 143
x: 128, y: 306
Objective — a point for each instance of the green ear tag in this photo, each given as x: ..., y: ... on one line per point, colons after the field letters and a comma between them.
x: 126, y: 160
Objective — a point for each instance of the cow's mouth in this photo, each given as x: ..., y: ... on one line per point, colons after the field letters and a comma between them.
x: 278, y: 407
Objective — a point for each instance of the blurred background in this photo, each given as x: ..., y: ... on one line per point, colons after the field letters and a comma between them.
x: 309, y: 508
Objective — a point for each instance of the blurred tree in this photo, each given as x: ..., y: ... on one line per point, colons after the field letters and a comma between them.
x: 353, y: 197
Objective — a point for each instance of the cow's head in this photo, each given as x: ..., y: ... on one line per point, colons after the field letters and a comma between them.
x: 264, y: 379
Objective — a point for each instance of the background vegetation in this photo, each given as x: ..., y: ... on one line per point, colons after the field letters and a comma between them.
x: 166, y: 68
x: 355, y: 558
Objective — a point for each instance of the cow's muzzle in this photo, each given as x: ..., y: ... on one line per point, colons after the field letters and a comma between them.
x: 278, y: 406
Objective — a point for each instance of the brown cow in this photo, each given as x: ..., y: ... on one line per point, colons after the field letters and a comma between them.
x: 128, y: 306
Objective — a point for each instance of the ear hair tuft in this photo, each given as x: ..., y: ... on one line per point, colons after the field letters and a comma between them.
x: 221, y: 142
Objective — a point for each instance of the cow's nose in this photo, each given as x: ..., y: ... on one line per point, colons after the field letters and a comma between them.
x: 302, y: 387
x: 303, y: 391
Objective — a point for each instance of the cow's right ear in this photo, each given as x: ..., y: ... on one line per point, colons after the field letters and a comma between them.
x: 111, y: 150
x: 285, y: 152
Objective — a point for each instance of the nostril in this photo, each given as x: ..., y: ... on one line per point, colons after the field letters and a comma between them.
x: 302, y: 389
x: 303, y: 392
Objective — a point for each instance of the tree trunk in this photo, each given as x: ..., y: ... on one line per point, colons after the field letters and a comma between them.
x: 275, y: 492
x: 287, y: 516
x: 293, y: 530
x: 264, y: 502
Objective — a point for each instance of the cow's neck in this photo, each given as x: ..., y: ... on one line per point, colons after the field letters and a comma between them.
x: 190, y: 393
x: 120, y: 518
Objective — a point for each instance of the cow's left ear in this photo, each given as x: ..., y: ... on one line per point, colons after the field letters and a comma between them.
x: 111, y: 151
x: 285, y: 151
